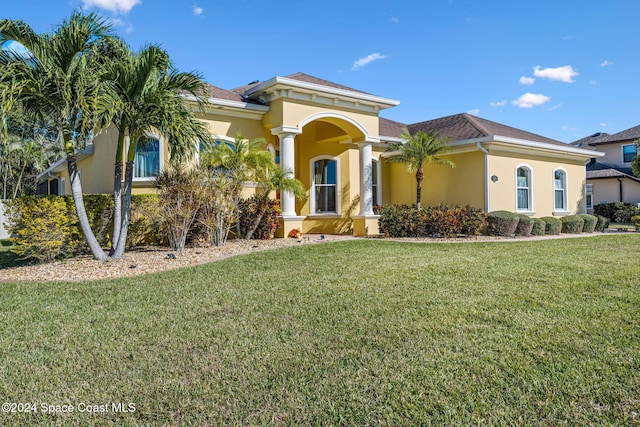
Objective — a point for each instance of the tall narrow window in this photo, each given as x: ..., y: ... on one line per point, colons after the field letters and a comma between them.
x: 325, y: 186
x: 147, y: 160
x: 589, y: 196
x: 560, y: 190
x: 374, y: 182
x: 629, y: 152
x: 523, y: 186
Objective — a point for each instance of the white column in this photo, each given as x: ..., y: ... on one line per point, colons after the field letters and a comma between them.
x: 366, y: 179
x: 288, y: 164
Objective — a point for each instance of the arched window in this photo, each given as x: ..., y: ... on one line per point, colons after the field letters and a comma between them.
x: 560, y: 190
x: 325, y: 186
x: 523, y: 188
x: 146, y: 163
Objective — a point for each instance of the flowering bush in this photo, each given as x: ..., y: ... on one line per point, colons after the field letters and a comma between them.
x: 433, y: 221
x: 295, y: 234
x: 248, y: 209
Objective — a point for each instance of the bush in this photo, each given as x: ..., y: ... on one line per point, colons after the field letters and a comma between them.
x: 552, y: 225
x: 433, y: 221
x: 590, y: 222
x: 525, y: 225
x: 502, y: 223
x: 602, y: 223
x: 616, y: 211
x: 41, y: 227
x: 247, y: 211
x: 538, y: 227
x: 145, y: 226
x: 572, y: 224
x: 635, y: 220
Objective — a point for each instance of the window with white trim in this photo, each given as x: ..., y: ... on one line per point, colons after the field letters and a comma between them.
x: 629, y: 152
x: 560, y: 190
x: 147, y: 160
x: 589, y: 196
x: 523, y: 188
x: 374, y: 182
x: 325, y: 186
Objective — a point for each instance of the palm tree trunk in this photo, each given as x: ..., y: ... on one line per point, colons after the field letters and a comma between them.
x: 126, y: 210
x: 264, y: 204
x: 117, y: 194
x: 78, y: 199
x: 419, y: 178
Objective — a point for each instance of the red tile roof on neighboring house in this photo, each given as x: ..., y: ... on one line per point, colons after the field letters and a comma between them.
x: 459, y: 127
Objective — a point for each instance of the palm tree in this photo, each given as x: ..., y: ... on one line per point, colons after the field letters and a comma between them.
x: 147, y: 95
x: 61, y: 80
x: 635, y: 163
x: 274, y: 178
x: 417, y: 150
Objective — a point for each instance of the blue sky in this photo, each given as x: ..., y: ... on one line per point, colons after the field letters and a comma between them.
x: 564, y: 69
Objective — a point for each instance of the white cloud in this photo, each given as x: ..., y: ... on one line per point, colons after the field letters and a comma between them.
x: 529, y: 100
x: 115, y: 6
x: 527, y: 80
x: 606, y: 63
x: 197, y: 10
x: 603, y: 124
x: 568, y: 128
x: 499, y: 103
x: 366, y: 60
x: 474, y: 112
x: 555, y: 107
x: 563, y: 74
x: 394, y: 20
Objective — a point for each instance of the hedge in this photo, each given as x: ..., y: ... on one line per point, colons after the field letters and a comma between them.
x: 433, y: 221
x: 525, y: 225
x: 538, y: 227
x: 552, y: 225
x: 602, y: 223
x: 616, y: 211
x: 590, y: 222
x: 572, y: 224
x: 502, y: 223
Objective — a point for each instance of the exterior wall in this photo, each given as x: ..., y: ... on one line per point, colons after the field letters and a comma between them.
x: 613, y: 153
x: 608, y: 190
x: 462, y: 185
x: 502, y: 194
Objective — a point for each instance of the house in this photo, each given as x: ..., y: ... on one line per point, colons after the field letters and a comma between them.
x: 333, y: 138
x: 609, y: 178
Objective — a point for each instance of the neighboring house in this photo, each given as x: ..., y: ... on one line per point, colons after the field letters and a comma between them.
x: 335, y: 142
x: 610, y: 179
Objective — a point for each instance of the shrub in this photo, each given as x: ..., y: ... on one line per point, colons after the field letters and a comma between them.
x: 616, y: 211
x: 635, y: 220
x: 433, y: 221
x: 471, y: 220
x: 552, y: 225
x: 572, y: 224
x: 538, y: 227
x: 401, y: 221
x: 145, y: 226
x: 590, y: 222
x: 502, y: 223
x: 525, y: 225
x: 247, y: 211
x: 41, y: 227
x: 602, y: 223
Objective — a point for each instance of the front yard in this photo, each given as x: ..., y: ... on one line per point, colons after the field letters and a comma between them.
x: 347, y: 333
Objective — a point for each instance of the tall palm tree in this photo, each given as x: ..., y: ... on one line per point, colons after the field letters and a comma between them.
x: 61, y: 80
x: 146, y: 94
x: 416, y: 151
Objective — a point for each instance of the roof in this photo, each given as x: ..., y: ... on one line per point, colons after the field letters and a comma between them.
x: 460, y: 127
x: 597, y: 170
x: 390, y: 128
x: 630, y: 134
x: 219, y: 93
x: 591, y: 139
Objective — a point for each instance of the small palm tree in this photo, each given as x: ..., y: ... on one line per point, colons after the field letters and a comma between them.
x: 417, y: 150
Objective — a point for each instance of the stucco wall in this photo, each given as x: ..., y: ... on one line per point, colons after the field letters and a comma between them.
x: 613, y: 154
x: 608, y: 190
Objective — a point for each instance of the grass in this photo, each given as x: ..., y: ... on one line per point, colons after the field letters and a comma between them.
x: 8, y: 258
x: 348, y: 333
x: 621, y: 226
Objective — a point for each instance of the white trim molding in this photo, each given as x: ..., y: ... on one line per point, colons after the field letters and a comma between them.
x: 565, y: 210
x: 530, y: 188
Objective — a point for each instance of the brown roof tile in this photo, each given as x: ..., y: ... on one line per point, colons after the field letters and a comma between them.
x: 390, y: 128
x: 219, y: 93
x: 463, y: 126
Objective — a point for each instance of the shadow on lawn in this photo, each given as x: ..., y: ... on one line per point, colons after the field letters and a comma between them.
x: 8, y: 258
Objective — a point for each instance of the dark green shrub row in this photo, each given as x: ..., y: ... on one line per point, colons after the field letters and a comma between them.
x: 616, y: 211
x: 433, y: 221
x: 572, y: 224
x: 539, y: 227
x: 552, y: 226
x: 590, y: 222
x: 602, y: 223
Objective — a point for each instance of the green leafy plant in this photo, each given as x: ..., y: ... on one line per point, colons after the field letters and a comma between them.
x: 525, y: 225
x: 553, y: 225
x: 572, y: 224
x: 603, y: 222
x: 590, y: 222
x: 502, y: 223
x: 249, y: 208
x: 538, y: 228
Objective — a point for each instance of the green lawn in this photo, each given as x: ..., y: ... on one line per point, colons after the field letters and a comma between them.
x: 362, y: 332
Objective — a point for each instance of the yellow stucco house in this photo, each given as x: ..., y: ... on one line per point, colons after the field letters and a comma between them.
x: 333, y: 138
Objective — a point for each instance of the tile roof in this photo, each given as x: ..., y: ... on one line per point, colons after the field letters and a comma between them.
x: 625, y: 135
x: 591, y: 139
x: 630, y: 134
x: 390, y: 128
x: 603, y: 170
x: 311, y: 79
x: 464, y: 126
x: 219, y: 93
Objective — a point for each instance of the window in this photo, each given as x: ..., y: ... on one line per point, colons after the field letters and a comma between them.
x: 560, y: 190
x: 523, y: 188
x: 374, y: 182
x: 629, y: 152
x: 589, y: 196
x: 147, y: 161
x: 325, y: 186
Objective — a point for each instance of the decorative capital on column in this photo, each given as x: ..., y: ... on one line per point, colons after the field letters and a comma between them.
x: 279, y: 130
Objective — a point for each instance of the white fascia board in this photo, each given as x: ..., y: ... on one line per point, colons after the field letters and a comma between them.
x: 232, y: 104
x: 312, y: 87
x: 391, y: 139
x: 529, y: 144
